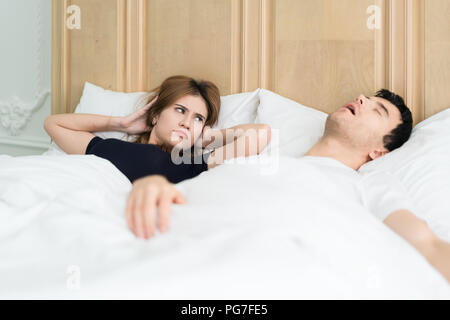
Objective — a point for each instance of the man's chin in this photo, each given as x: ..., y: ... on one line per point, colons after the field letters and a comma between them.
x: 336, y: 126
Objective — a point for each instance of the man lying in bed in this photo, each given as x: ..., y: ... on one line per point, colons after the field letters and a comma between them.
x: 358, y: 132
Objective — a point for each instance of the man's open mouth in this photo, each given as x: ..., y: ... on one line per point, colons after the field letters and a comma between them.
x: 351, y: 108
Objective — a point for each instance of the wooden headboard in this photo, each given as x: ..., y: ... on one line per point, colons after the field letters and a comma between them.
x: 321, y: 53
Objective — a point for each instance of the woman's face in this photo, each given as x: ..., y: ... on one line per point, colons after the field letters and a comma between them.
x: 180, y: 124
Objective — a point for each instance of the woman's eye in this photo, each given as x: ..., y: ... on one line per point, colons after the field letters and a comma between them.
x: 198, y: 119
x: 180, y: 109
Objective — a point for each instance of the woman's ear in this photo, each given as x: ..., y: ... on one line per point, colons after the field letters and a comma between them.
x: 206, y: 128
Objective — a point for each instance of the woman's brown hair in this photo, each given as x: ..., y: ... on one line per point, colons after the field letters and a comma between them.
x: 176, y: 87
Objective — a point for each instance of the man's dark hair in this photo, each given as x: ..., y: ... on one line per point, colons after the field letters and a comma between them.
x: 398, y: 136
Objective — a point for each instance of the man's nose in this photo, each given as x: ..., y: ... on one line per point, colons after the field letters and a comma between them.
x: 360, y: 100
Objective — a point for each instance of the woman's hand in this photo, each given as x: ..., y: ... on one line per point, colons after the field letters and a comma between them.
x: 149, y: 195
x: 243, y: 140
x: 136, y: 122
x: 206, y: 137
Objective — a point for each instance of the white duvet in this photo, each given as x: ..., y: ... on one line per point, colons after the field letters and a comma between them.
x: 241, y: 234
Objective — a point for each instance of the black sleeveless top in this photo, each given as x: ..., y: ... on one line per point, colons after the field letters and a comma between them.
x: 137, y: 160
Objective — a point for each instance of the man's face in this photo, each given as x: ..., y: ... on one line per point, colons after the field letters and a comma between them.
x: 363, y: 123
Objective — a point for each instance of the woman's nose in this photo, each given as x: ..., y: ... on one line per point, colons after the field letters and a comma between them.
x: 185, y: 122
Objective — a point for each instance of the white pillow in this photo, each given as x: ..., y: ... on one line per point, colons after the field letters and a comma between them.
x: 96, y: 100
x: 423, y: 165
x: 238, y: 109
x: 295, y: 127
x: 235, y: 109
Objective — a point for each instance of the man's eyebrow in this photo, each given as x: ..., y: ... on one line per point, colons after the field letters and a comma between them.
x: 198, y: 114
x: 383, y: 107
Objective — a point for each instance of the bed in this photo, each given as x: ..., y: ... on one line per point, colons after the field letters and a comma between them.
x: 247, y: 231
x: 253, y: 235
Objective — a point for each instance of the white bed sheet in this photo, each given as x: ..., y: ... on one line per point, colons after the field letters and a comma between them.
x: 240, y: 235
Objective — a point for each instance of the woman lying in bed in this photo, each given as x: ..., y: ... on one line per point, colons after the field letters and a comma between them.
x: 174, y: 129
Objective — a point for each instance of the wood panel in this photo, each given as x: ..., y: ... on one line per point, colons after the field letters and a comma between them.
x: 324, y: 55
x: 93, y: 48
x: 189, y: 37
x: 437, y: 56
x: 318, y: 52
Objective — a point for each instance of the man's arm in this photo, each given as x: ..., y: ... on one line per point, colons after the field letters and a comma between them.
x: 417, y: 233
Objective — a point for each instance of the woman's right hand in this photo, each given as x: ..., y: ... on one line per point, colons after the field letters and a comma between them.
x: 136, y: 122
x: 150, y: 196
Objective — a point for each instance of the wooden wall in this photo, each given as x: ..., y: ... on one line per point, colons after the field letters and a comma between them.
x: 320, y: 53
x: 437, y: 56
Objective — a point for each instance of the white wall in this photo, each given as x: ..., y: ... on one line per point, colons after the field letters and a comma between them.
x: 25, y: 77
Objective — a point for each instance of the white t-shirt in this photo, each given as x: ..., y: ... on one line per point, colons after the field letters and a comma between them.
x: 380, y: 192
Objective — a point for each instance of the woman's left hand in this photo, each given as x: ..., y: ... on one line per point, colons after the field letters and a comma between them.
x: 206, y: 137
x: 136, y: 122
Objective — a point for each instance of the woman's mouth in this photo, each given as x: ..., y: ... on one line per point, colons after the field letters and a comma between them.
x: 181, y: 133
